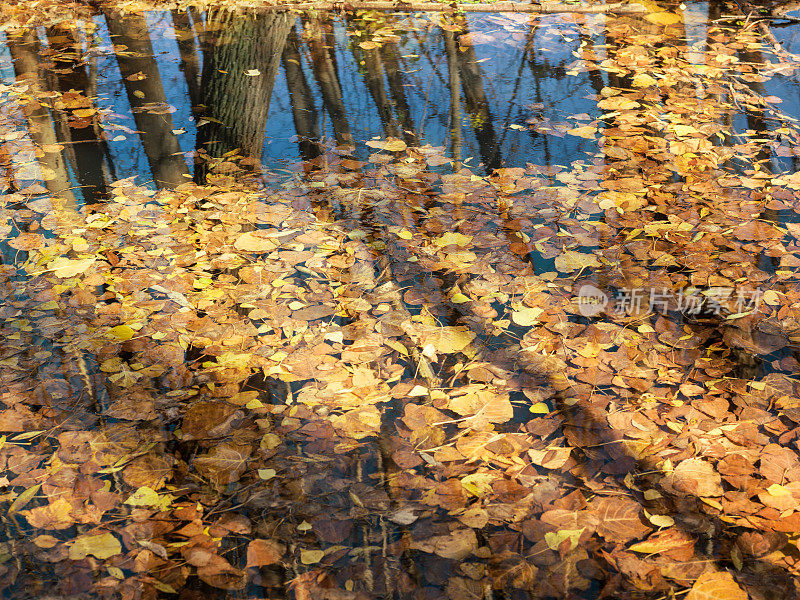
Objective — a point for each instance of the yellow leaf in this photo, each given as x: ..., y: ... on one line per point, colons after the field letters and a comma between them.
x: 311, y: 557
x: 572, y: 261
x: 251, y: 241
x: 390, y: 144
x: 122, y: 332
x: 617, y: 103
x: 478, y: 484
x: 56, y: 515
x: 684, y: 130
x: 24, y: 498
x: 252, y: 72
x: 554, y: 539
x: 527, y: 316
x: 397, y: 346
x: 772, y: 298
x: 266, y: 473
x: 459, y: 299
x: 587, y: 131
x: 663, y: 18
x: 46, y: 541
x: 116, y: 573
x: 540, y: 408
x: 643, y: 80
x: 450, y: 238
x: 453, y: 339
x: 66, y: 268
x: 778, y: 490
x: 144, y: 496
x: 662, y: 520
x: 405, y: 234
x: 103, y: 545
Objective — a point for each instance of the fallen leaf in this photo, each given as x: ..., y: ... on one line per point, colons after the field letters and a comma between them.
x: 264, y: 552
x: 697, y: 477
x: 389, y: 144
x: 716, y: 586
x: 103, y: 545
x: 619, y: 519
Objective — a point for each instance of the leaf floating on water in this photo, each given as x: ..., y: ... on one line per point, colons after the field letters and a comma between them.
x: 617, y: 103
x: 456, y: 545
x: 264, y: 552
x: 586, y: 131
x: 389, y: 144
x: 144, y: 496
x: 527, y: 316
x: 65, y: 268
x: 643, y: 80
x: 663, y: 18
x: 452, y: 339
x: 311, y: 557
x: 716, y: 586
x: 103, y: 545
x: 619, y: 519
x: 253, y: 241
x: 697, y: 477
x: 572, y: 261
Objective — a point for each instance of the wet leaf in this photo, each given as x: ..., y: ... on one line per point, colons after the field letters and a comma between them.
x: 696, y: 477
x: 102, y: 545
x: 264, y: 552
x: 619, y: 519
x: 716, y: 586
x: 389, y: 144
x: 526, y: 316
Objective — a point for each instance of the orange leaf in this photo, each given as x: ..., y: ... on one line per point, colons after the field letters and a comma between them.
x: 716, y: 586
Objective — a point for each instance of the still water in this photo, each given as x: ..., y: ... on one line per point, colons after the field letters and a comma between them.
x: 291, y: 306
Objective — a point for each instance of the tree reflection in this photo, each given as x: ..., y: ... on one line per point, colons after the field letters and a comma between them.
x: 77, y: 126
x: 148, y: 101
x: 241, y: 56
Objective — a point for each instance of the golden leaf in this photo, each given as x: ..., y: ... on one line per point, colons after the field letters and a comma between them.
x: 103, y: 545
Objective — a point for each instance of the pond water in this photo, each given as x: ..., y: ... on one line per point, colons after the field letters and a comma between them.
x: 502, y: 306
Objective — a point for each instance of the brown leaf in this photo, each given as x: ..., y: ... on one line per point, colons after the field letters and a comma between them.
x: 264, y: 552
x: 224, y: 463
x: 56, y: 515
x: 550, y: 457
x: 667, y: 541
x: 697, y: 477
x: 716, y: 586
x: 779, y: 464
x: 219, y: 573
x: 618, y: 519
x: 456, y: 545
x: 208, y: 420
